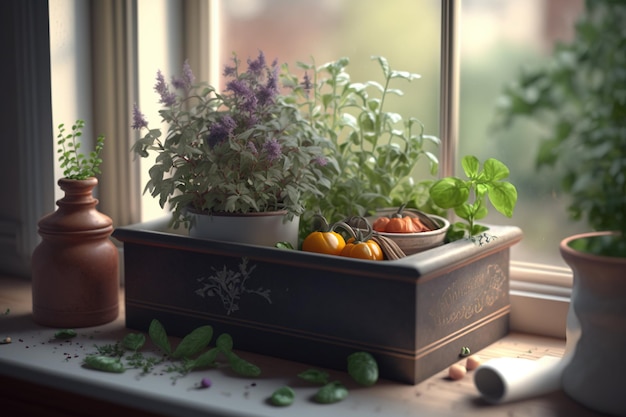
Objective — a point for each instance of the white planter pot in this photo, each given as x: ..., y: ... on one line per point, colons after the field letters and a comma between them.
x: 264, y: 229
x: 596, y: 330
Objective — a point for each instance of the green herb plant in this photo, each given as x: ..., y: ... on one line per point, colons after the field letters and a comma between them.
x: 468, y: 197
x: 375, y: 149
x: 240, y: 150
x: 191, y: 353
x: 75, y: 164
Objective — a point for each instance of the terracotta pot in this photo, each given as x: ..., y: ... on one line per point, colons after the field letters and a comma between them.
x: 264, y: 228
x: 75, y: 278
x: 596, y: 329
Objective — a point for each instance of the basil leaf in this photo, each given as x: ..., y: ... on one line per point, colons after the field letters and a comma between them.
x: 315, y: 376
x: 134, y: 341
x: 194, y: 342
x: 159, y: 336
x: 65, y: 334
x: 283, y: 396
x: 224, y: 342
x: 105, y: 363
x: 362, y: 367
x: 331, y: 393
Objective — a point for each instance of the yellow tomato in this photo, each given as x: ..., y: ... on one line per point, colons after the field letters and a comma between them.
x: 330, y: 243
x: 363, y: 250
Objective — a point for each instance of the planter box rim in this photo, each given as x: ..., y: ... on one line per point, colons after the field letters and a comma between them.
x: 432, y: 261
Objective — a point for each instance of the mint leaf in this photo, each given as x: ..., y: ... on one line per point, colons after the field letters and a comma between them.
x: 205, y: 360
x: 224, y: 342
x: 194, y: 342
x: 242, y: 366
x: 134, y: 341
x: 157, y: 334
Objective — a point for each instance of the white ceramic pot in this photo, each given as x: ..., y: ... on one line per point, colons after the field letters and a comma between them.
x: 594, y: 375
x: 264, y: 229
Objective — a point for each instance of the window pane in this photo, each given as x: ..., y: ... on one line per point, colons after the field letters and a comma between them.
x: 498, y: 38
x: 406, y: 32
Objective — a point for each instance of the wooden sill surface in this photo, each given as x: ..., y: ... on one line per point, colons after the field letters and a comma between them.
x: 437, y: 396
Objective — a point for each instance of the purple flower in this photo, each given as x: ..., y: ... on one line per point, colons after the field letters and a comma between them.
x: 320, y: 160
x: 186, y: 80
x: 139, y: 120
x: 252, y: 148
x: 306, y: 82
x: 268, y: 92
x: 272, y: 149
x: 220, y: 130
x: 231, y: 71
x: 239, y: 88
x: 188, y: 76
x: 168, y: 98
x: 256, y: 67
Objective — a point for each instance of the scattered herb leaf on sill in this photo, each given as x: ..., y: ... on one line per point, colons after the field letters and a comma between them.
x: 362, y: 367
x: 65, y: 334
x: 331, y: 393
x: 105, y: 363
x: 315, y: 376
x: 224, y: 342
x: 158, y: 335
x: 134, y: 341
x: 283, y: 396
x: 242, y: 366
x: 194, y: 342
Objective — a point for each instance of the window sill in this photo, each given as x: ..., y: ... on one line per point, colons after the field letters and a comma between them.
x: 539, y: 299
x: 35, y: 358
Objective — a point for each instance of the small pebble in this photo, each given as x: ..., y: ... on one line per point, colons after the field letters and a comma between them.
x: 473, y: 362
x: 6, y: 340
x: 205, y: 383
x: 457, y: 372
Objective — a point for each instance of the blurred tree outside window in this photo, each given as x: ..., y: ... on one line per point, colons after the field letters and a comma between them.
x: 498, y: 39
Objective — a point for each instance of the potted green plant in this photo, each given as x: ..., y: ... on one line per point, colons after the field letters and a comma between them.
x: 376, y: 150
x: 246, y: 150
x: 75, y: 266
x: 578, y: 98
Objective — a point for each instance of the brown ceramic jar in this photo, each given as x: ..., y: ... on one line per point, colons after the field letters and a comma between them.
x: 75, y: 275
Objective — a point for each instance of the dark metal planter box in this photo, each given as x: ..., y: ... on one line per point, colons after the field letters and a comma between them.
x: 414, y: 314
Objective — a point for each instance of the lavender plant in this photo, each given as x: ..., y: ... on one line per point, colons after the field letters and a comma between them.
x: 247, y: 149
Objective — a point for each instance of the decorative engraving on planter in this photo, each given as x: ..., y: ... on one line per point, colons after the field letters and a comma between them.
x: 463, y: 300
x: 483, y: 238
x: 229, y: 285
